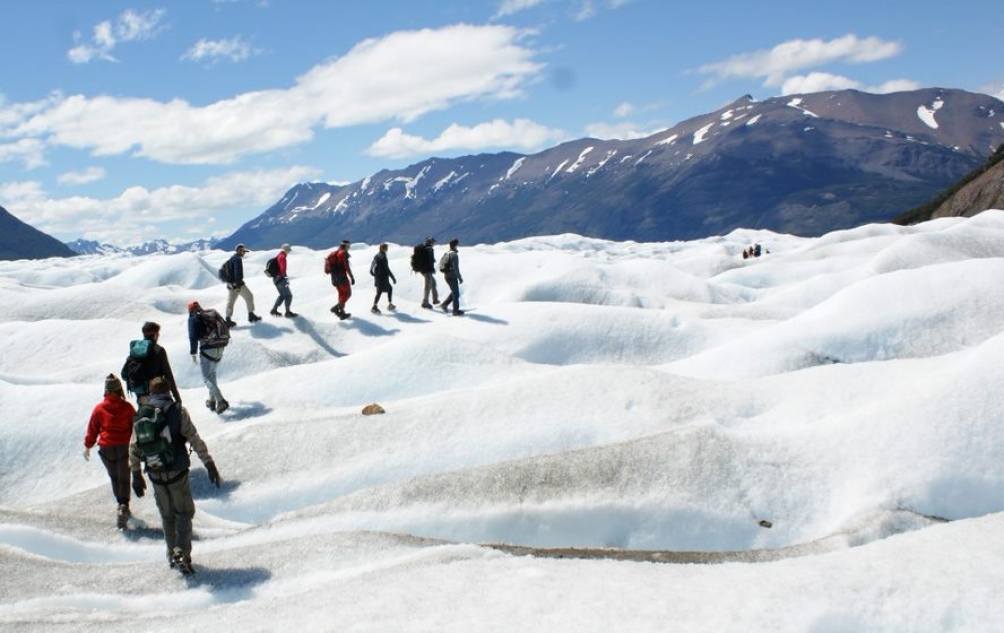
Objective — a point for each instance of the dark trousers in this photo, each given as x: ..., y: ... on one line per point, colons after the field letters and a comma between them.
x: 116, y: 461
x: 454, y: 296
x: 285, y: 294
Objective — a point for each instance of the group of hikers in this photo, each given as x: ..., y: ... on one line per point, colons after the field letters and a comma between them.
x: 154, y: 435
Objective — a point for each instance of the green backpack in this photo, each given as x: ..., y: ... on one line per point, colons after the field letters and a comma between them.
x: 153, y: 437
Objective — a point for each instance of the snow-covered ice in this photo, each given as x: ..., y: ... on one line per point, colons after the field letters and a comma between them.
x: 823, y: 424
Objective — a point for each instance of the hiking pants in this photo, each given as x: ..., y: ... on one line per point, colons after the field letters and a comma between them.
x: 454, y: 297
x: 116, y: 461
x: 430, y: 286
x: 176, y: 507
x: 232, y: 295
x: 344, y: 292
x: 208, y: 359
x: 285, y: 295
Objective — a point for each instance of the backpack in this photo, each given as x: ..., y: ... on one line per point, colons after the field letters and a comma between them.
x: 139, y: 366
x: 446, y: 263
x: 418, y: 259
x: 272, y: 267
x: 214, y: 332
x: 328, y: 262
x: 153, y: 437
x: 226, y: 272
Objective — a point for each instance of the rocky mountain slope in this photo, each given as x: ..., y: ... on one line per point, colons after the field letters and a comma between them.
x: 804, y: 165
x: 22, y: 241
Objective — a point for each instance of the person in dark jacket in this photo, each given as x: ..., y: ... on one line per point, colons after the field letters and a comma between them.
x: 171, y: 488
x: 281, y: 282
x: 236, y: 287
x: 450, y: 267
x: 110, y: 427
x: 382, y: 277
x: 159, y: 366
x: 427, y: 269
x: 208, y: 357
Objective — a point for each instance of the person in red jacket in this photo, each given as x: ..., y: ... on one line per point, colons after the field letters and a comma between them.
x: 110, y: 428
x: 337, y: 265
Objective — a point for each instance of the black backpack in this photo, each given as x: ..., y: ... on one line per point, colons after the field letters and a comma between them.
x: 226, y: 272
x: 214, y: 331
x: 139, y: 366
x: 272, y: 267
x: 153, y: 437
x: 418, y: 259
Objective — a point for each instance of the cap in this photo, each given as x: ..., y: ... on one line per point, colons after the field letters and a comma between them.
x: 285, y: 248
x: 193, y: 306
x: 241, y: 247
x: 345, y: 242
x: 454, y: 241
x: 113, y: 385
x: 430, y: 240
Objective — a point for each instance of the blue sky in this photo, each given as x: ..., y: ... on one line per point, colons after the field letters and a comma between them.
x: 130, y: 121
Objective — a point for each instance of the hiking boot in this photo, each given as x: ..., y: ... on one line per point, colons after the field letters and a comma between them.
x: 375, y: 310
x: 274, y: 312
x: 458, y: 313
x: 391, y: 307
x: 344, y: 315
x: 211, y: 404
x: 427, y: 306
x: 445, y: 307
x: 181, y: 562
x: 334, y: 308
x: 290, y: 315
x: 231, y: 322
x: 222, y: 406
x: 122, y: 516
x: 252, y: 317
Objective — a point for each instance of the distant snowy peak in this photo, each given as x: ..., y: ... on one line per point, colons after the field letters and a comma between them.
x: 90, y: 247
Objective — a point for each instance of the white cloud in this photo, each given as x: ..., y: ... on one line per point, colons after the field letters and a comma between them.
x: 777, y: 64
x: 235, y: 49
x: 620, y: 131
x: 30, y: 151
x: 510, y: 7
x: 623, y: 110
x: 398, y: 77
x: 83, y: 177
x: 521, y: 134
x: 131, y: 26
x: 581, y: 9
x: 818, y: 82
x: 137, y: 213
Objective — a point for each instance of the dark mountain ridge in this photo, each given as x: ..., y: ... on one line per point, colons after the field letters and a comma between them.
x: 22, y: 241
x: 804, y: 164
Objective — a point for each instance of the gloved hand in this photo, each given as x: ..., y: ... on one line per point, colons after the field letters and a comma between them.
x: 138, y: 485
x: 87, y: 453
x: 195, y: 359
x: 353, y: 281
x: 214, y: 475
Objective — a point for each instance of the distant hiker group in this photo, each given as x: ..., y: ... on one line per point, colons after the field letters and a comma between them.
x: 156, y: 436
x: 753, y: 251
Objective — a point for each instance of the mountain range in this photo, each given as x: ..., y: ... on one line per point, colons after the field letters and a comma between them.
x: 803, y: 164
x: 91, y: 247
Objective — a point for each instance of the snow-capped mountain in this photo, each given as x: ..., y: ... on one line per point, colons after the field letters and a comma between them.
x: 90, y: 247
x: 803, y: 165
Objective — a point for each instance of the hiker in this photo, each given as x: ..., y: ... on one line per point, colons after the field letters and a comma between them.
x: 281, y: 281
x: 337, y: 265
x: 382, y: 277
x: 171, y: 489
x: 449, y: 265
x: 423, y: 261
x: 110, y: 427
x: 236, y: 286
x: 208, y: 338
x: 148, y: 360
